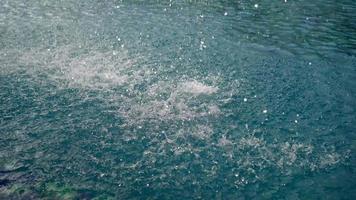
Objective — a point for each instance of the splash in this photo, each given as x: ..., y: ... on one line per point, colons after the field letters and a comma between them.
x: 176, y: 115
x: 164, y: 100
x: 196, y: 88
x: 68, y: 68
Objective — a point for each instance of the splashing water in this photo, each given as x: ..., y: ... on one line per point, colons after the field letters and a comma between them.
x: 178, y: 99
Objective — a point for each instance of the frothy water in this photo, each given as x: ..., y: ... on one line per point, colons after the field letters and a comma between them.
x: 90, y: 70
x: 147, y: 100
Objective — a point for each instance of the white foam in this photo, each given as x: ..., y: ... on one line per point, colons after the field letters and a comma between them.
x: 223, y: 141
x: 89, y: 70
x: 197, y: 88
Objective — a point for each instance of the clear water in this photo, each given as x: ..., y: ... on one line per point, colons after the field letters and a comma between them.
x: 177, y: 99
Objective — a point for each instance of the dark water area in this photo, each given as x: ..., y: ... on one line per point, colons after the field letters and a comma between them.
x: 180, y: 99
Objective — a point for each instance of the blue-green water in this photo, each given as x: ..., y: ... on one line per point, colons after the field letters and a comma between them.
x: 177, y: 99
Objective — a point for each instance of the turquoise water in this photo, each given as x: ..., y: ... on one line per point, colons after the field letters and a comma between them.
x: 177, y: 99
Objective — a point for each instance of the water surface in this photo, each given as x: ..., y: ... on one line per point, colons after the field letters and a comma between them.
x: 177, y: 99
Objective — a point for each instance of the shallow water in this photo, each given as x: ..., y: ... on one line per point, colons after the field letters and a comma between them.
x: 177, y: 99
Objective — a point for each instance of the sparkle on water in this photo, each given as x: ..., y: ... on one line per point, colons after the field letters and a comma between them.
x: 177, y: 99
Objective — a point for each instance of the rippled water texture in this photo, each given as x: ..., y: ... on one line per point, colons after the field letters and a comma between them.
x: 177, y: 99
